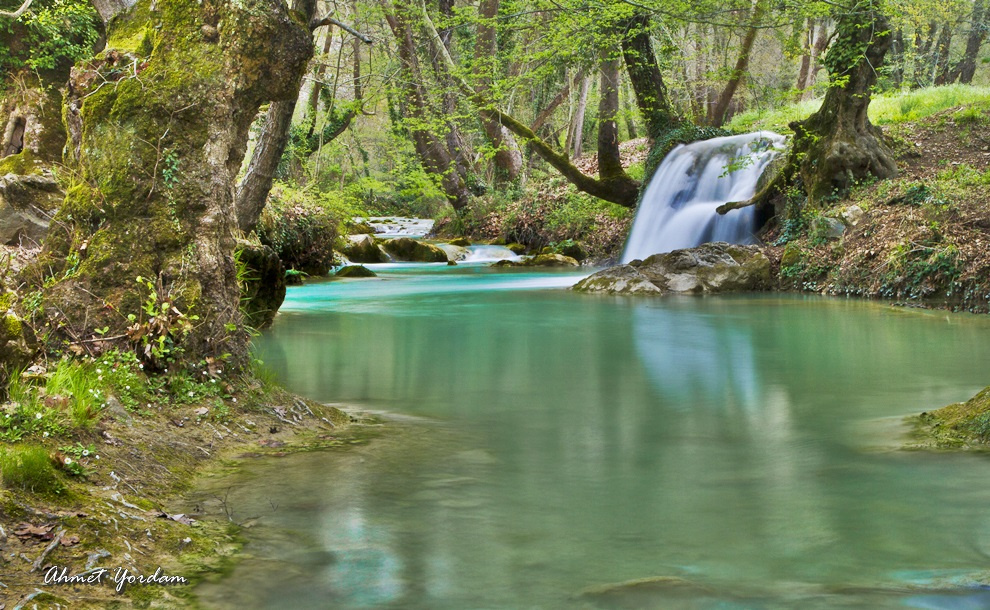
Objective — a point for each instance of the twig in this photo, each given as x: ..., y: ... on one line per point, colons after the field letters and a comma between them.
x: 51, y: 547
x: 328, y: 20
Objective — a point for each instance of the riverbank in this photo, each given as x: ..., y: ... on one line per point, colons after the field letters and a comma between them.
x: 112, y: 524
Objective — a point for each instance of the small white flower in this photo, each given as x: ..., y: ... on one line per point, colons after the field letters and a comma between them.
x: 99, y: 377
x: 127, y: 387
x: 98, y: 371
x: 141, y: 366
x: 96, y: 457
x: 37, y: 415
x: 213, y: 381
x: 190, y: 392
x: 85, y: 452
x: 234, y: 399
x: 68, y: 461
x: 45, y: 434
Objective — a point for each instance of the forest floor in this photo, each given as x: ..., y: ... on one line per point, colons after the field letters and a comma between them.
x: 114, y: 524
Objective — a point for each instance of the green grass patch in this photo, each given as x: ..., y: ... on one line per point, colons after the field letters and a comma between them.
x: 29, y: 468
x: 885, y: 109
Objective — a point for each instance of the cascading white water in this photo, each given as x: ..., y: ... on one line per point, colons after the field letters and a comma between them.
x: 678, y: 207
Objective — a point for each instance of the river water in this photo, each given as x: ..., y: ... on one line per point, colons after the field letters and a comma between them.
x: 542, y: 447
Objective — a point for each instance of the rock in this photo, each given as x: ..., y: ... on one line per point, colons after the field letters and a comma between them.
x: 516, y: 248
x: 264, y: 284
x: 574, y: 250
x: 831, y: 228
x: 623, y: 279
x: 17, y: 341
x: 707, y: 269
x: 540, y: 260
x: 852, y: 215
x: 27, y: 202
x: 460, y: 241
x: 792, y: 255
x: 451, y: 264
x: 359, y: 227
x: 407, y: 249
x: 455, y: 253
x: 294, y: 277
x: 363, y: 249
x: 355, y: 271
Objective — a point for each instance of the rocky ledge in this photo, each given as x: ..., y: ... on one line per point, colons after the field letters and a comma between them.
x: 707, y: 269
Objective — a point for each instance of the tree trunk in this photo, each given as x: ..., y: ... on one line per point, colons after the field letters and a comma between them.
x: 609, y: 161
x: 742, y: 64
x: 944, y: 46
x: 802, y: 79
x: 431, y: 150
x: 979, y: 26
x: 577, y: 124
x: 628, y: 112
x: 644, y: 74
x: 821, y: 41
x: 555, y: 103
x: 897, y: 48
x: 252, y: 191
x: 838, y: 145
x: 158, y: 152
x: 313, y: 103
x: 924, y: 58
x: 508, y: 156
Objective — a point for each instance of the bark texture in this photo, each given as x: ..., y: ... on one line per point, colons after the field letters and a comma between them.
x: 644, y: 74
x: 158, y: 127
x: 838, y: 145
x: 508, y: 156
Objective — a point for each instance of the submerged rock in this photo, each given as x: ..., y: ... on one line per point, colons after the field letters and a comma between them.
x: 355, y: 271
x: 407, y: 249
x: 363, y: 249
x: 707, y: 269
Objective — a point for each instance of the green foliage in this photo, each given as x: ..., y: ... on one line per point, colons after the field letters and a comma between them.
x: 29, y: 468
x: 57, y: 32
x: 159, y: 328
x: 302, y: 227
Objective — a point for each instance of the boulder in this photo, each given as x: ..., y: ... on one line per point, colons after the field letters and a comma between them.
x: 27, y: 203
x: 830, y: 228
x: 407, y: 249
x: 852, y: 215
x: 460, y: 241
x: 355, y: 271
x: 516, y: 248
x: 621, y: 279
x: 263, y: 287
x: 455, y: 253
x: 358, y: 227
x: 363, y: 249
x: 707, y: 269
x: 18, y: 344
x: 540, y: 260
x: 574, y: 250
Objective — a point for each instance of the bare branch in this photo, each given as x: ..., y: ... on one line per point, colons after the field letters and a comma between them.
x: 328, y: 20
x: 18, y: 12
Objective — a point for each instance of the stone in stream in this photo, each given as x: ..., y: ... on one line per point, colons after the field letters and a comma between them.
x: 706, y: 269
x: 363, y: 249
x: 460, y: 241
x: 355, y: 271
x: 407, y: 249
x: 540, y: 260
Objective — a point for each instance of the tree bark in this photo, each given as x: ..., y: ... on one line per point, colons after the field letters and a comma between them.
x: 627, y: 111
x: 821, y: 41
x: 508, y: 156
x: 944, y: 46
x: 924, y: 62
x: 803, y: 72
x: 644, y: 74
x: 158, y: 152
x: 838, y: 145
x: 718, y: 114
x: 555, y: 103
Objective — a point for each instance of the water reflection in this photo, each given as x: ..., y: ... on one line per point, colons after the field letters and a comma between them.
x: 580, y: 441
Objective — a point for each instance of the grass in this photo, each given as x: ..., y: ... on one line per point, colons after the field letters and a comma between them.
x: 29, y: 468
x: 885, y: 109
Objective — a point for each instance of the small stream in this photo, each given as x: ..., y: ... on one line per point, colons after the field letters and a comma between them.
x: 541, y: 447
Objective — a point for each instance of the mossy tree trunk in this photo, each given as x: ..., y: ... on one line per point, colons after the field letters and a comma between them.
x: 158, y: 127
x: 838, y: 145
x: 645, y: 77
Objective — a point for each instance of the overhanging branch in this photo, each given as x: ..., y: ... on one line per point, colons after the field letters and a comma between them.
x: 328, y: 20
x: 18, y: 12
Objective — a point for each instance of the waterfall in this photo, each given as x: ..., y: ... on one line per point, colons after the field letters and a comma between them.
x: 678, y: 207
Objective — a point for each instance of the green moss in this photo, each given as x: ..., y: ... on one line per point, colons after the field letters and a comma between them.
x: 958, y: 425
x: 23, y: 163
x: 29, y: 468
x: 12, y: 326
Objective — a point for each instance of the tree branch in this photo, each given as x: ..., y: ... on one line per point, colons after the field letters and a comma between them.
x: 18, y: 12
x: 328, y: 20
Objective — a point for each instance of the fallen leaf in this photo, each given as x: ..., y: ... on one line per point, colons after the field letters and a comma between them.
x: 69, y: 540
x: 178, y: 518
x: 26, y: 531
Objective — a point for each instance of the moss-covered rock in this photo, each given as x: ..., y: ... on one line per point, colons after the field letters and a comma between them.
x: 460, y: 241
x: 18, y: 344
x: 355, y: 271
x: 301, y: 233
x: 516, y: 248
x: 540, y: 260
x: 407, y: 249
x: 262, y: 283
x: 707, y: 269
x: 363, y: 249
x: 358, y: 227
x: 964, y: 424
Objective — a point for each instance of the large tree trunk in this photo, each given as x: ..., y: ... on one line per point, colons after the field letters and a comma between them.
x: 978, y: 29
x: 508, y: 156
x: 644, y: 74
x: 944, y: 47
x: 805, y: 70
x: 157, y: 151
x: 609, y: 161
x: 838, y: 144
x: 718, y: 113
